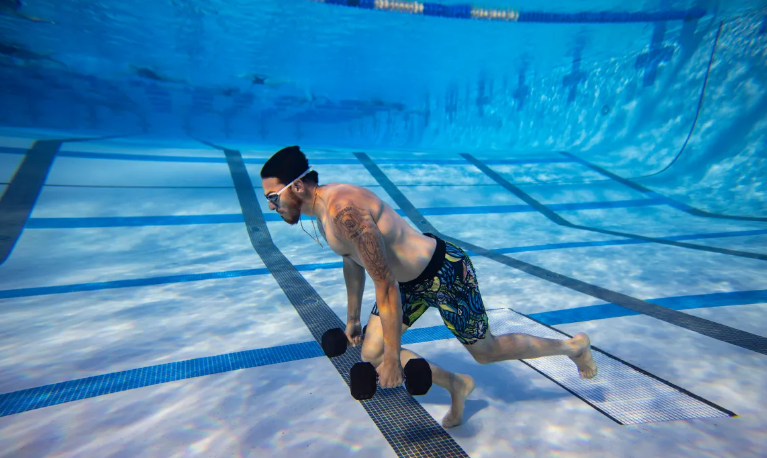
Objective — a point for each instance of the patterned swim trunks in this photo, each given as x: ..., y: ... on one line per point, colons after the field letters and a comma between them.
x: 448, y: 284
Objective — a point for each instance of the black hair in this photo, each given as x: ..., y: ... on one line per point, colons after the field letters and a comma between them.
x: 288, y: 164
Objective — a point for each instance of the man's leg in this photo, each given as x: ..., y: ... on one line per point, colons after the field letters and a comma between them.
x: 458, y: 385
x: 492, y: 349
x: 470, y: 325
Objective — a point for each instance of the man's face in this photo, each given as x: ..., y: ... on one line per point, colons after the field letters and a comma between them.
x: 289, y: 206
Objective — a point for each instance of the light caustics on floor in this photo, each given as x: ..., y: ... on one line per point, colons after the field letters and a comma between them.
x: 624, y: 393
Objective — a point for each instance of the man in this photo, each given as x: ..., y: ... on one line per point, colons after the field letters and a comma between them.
x: 411, y: 272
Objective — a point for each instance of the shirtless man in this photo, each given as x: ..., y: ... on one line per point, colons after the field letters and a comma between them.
x: 411, y: 272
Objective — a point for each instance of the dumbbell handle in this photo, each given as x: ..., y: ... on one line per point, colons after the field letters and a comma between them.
x: 424, y: 377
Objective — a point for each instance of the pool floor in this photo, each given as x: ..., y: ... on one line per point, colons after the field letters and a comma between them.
x: 138, y: 319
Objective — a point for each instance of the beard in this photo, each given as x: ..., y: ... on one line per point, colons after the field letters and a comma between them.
x: 291, y: 215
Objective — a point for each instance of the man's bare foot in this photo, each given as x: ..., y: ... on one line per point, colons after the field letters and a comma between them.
x: 583, y: 359
x: 460, y: 389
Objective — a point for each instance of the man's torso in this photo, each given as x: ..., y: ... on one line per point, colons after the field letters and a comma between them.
x: 407, y: 250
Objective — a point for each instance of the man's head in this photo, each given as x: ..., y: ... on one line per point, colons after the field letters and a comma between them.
x: 284, y: 185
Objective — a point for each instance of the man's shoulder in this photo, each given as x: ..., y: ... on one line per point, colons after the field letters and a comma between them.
x: 344, y: 193
x: 345, y: 196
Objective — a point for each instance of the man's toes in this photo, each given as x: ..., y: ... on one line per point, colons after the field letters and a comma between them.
x: 588, y: 373
x: 450, y: 422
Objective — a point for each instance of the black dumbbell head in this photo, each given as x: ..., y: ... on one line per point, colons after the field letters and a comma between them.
x: 364, y: 381
x: 334, y: 342
x: 417, y: 376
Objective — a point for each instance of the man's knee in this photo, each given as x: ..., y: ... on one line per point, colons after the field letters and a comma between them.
x: 484, y: 359
x: 483, y: 350
x: 371, y: 354
x: 373, y: 345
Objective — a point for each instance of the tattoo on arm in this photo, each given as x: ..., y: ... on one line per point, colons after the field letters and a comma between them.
x: 349, y: 220
x: 366, y: 237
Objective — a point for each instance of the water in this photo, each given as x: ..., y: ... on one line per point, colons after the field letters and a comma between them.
x: 626, y: 160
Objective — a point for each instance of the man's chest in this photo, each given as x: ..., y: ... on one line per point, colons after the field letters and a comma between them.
x: 338, y: 246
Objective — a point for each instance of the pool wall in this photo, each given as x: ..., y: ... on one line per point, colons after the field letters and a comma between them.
x: 675, y: 96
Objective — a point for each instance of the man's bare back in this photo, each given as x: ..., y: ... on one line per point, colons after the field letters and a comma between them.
x: 408, y: 251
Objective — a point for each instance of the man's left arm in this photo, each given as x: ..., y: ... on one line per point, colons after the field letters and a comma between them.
x: 356, y: 225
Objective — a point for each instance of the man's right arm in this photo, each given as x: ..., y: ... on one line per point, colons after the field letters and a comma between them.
x: 354, y: 274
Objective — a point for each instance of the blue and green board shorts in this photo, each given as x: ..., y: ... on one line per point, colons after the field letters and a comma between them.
x: 448, y: 284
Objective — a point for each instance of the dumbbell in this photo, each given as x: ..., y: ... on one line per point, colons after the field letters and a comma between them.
x: 334, y: 341
x: 364, y: 378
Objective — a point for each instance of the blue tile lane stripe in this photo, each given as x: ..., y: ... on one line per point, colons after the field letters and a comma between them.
x: 12, y: 150
x: 667, y: 200
x: 603, y: 311
x: 490, y: 209
x: 46, y: 290
x: 74, y: 390
x: 96, y: 286
x: 132, y: 283
x: 335, y: 161
x: 170, y: 220
x: 555, y: 246
x: 135, y: 221
x: 558, y: 219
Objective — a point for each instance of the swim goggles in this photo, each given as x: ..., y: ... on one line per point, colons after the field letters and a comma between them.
x: 274, y: 197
